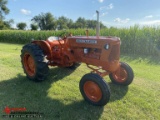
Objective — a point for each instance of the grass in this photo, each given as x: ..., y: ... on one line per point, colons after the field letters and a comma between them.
x: 58, y: 97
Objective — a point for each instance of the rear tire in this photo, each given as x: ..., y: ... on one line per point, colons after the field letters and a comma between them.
x: 33, y: 62
x: 94, y: 89
x: 123, y: 76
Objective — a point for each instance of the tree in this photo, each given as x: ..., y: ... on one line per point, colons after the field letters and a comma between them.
x: 34, y: 27
x: 102, y: 26
x: 70, y: 24
x: 80, y: 23
x: 2, y: 26
x: 91, y: 24
x: 3, y: 9
x: 21, y: 26
x: 64, y: 23
x: 45, y: 21
x: 6, y: 24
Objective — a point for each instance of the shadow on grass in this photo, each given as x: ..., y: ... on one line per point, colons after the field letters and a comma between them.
x: 21, y: 92
x: 117, y: 91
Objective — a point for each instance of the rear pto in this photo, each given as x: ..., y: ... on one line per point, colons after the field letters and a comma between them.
x: 95, y: 51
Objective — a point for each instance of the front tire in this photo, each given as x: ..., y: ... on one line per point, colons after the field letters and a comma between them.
x: 123, y: 76
x: 33, y: 62
x: 94, y: 89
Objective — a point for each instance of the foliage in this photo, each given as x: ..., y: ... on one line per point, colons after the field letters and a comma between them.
x: 59, y: 98
x: 8, y: 23
x: 45, y: 21
x: 4, y: 25
x: 81, y: 23
x: 3, y: 9
x: 21, y: 26
x: 64, y: 23
x: 135, y: 40
x: 34, y: 27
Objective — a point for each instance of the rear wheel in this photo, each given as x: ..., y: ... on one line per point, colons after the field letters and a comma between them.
x: 94, y: 89
x: 123, y: 76
x: 33, y: 62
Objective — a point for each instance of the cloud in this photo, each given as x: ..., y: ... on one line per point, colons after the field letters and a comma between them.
x: 100, y: 1
x: 109, y: 7
x: 103, y: 7
x: 25, y: 12
x: 103, y: 14
x: 153, y: 22
x: 150, y: 21
x: 119, y: 20
x: 149, y: 16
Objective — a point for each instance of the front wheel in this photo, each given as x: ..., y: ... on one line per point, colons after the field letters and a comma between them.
x: 123, y: 76
x: 94, y: 89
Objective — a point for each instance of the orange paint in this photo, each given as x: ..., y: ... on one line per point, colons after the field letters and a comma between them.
x: 97, y: 51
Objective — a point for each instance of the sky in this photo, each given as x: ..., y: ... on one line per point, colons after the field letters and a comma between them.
x: 117, y: 13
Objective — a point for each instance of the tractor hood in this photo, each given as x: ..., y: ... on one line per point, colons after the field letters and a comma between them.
x: 92, y: 40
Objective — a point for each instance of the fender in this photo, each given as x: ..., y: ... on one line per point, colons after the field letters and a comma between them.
x: 45, y: 47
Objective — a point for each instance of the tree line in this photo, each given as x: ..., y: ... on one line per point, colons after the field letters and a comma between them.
x: 45, y: 21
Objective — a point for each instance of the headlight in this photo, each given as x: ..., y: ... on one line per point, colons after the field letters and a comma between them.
x: 106, y: 46
x: 86, y: 50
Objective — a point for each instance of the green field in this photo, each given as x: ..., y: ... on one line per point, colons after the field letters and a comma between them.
x: 135, y: 40
x: 58, y: 97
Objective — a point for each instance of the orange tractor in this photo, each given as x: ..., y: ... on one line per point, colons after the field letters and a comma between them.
x: 100, y: 54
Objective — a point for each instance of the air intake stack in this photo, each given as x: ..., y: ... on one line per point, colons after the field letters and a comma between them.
x: 98, y: 25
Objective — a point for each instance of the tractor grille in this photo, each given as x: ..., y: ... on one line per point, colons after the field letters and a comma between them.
x: 115, y: 53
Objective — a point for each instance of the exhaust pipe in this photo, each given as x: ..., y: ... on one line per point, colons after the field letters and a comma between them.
x: 98, y: 25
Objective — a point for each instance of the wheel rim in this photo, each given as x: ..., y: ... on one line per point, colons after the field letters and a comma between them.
x: 29, y: 64
x: 92, y: 91
x: 120, y: 75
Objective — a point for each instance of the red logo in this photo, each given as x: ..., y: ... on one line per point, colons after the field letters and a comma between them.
x: 8, y: 110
